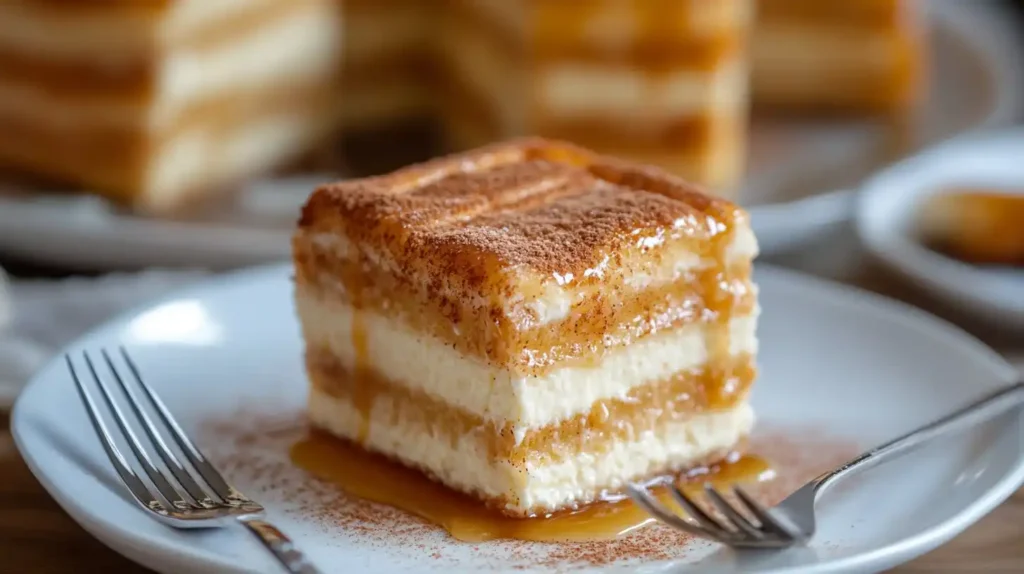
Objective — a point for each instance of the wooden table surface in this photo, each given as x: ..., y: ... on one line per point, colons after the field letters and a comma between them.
x: 36, y: 536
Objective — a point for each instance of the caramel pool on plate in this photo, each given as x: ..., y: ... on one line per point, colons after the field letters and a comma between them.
x: 376, y: 478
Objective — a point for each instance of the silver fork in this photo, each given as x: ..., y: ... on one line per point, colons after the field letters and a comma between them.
x: 183, y: 499
x: 748, y: 524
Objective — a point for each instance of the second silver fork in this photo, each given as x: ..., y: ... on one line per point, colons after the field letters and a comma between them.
x: 197, y: 498
x: 748, y: 524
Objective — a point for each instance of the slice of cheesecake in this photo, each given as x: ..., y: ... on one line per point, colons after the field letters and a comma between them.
x: 159, y: 104
x: 530, y: 323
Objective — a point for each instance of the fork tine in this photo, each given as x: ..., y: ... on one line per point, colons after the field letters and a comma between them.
x: 764, y: 516
x: 645, y: 501
x: 695, y: 512
x: 731, y: 514
x: 192, y: 452
x: 124, y: 470
x: 172, y: 462
x: 164, y: 487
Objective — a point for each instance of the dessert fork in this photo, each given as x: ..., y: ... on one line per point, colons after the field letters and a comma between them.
x: 748, y: 524
x: 180, y: 499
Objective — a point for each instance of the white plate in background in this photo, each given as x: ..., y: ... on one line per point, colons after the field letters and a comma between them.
x: 890, y: 202
x: 977, y: 82
x: 793, y: 168
x: 831, y: 358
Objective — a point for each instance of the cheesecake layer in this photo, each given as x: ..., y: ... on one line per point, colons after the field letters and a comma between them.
x: 523, y: 397
x: 527, y: 489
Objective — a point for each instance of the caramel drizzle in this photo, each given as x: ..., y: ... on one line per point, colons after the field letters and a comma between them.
x: 466, y: 518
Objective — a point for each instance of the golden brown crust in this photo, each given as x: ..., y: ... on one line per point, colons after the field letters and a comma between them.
x: 544, y: 205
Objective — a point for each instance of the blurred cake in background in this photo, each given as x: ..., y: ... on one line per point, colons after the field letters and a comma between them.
x: 654, y: 81
x: 158, y: 103
x: 862, y: 56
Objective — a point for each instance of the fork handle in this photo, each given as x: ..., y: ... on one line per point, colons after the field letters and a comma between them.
x: 294, y: 561
x: 980, y: 411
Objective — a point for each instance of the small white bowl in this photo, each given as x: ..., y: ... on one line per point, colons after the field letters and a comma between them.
x: 889, y: 203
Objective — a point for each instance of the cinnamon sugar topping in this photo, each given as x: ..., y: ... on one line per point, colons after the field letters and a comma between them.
x: 544, y: 206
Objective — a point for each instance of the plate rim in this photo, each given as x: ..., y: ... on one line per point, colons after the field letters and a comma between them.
x: 162, y: 553
x: 938, y: 273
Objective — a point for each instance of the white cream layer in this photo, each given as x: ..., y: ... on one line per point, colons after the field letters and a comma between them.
x: 423, y: 362
x: 465, y: 465
x: 296, y: 50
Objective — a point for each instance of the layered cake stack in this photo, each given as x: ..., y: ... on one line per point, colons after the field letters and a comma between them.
x: 529, y: 323
x: 659, y: 82
x: 863, y: 56
x: 157, y: 103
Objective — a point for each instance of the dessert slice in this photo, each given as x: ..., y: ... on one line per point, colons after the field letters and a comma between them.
x: 529, y: 323
x: 658, y: 82
x: 863, y: 57
x: 160, y: 103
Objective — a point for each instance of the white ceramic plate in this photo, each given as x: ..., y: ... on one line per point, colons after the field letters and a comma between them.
x: 791, y: 163
x: 833, y: 358
x: 889, y: 203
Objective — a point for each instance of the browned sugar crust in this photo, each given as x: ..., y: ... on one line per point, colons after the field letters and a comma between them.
x: 546, y: 206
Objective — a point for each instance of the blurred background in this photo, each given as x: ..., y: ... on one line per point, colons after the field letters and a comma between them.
x: 169, y: 134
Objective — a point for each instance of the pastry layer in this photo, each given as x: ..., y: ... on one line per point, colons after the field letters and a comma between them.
x: 527, y: 399
x: 528, y: 489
